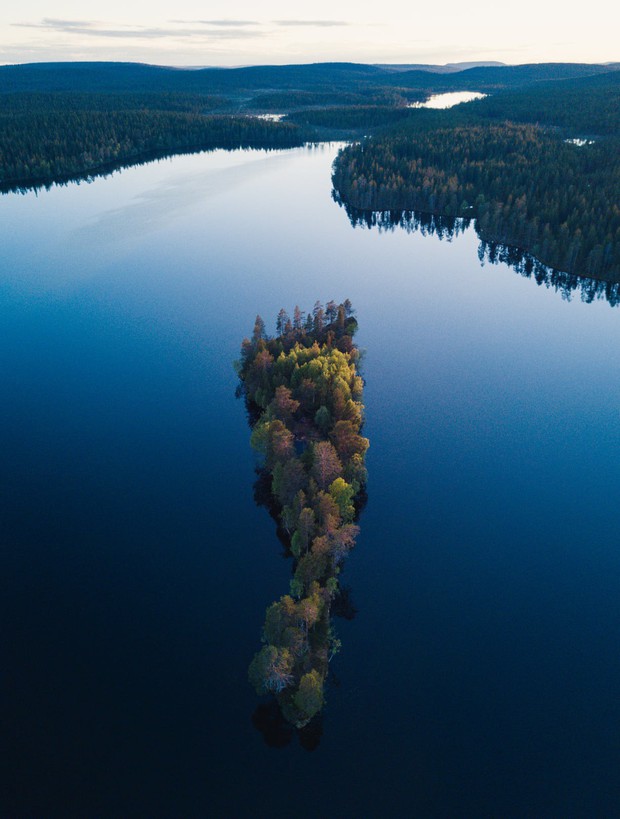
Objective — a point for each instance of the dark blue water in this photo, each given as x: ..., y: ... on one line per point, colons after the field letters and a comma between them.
x: 481, y: 674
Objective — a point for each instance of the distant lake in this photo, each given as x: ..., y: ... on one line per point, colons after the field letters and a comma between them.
x: 480, y: 674
x: 448, y: 100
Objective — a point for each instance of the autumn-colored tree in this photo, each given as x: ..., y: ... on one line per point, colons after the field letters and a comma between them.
x: 347, y: 440
x: 308, y: 611
x: 304, y: 389
x: 326, y: 464
x: 280, y: 443
x: 319, y: 318
x: 327, y: 512
x: 284, y: 406
x: 342, y: 541
x: 271, y: 669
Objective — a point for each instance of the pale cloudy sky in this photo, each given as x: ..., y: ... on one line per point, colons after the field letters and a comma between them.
x: 240, y: 32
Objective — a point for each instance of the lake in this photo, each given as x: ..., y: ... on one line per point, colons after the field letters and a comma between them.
x: 480, y: 674
x: 448, y: 99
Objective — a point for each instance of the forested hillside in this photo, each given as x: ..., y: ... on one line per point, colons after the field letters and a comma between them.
x: 524, y: 186
x: 59, y: 120
x: 55, y: 145
x: 589, y: 106
x: 136, y: 77
x: 551, y: 188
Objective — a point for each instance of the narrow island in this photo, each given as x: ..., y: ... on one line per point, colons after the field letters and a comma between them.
x: 303, y: 393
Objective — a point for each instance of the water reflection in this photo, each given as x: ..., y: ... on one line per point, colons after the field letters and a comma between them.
x: 564, y: 283
x: 104, y: 171
x: 448, y: 227
x: 112, y: 168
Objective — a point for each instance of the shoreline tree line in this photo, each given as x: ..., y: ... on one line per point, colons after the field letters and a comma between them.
x: 538, y: 169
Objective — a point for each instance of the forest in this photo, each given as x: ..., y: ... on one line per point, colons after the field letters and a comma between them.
x: 506, y: 161
x: 583, y: 106
x: 303, y: 392
x: 48, y: 144
x: 357, y: 78
x: 511, y: 162
x: 350, y: 117
x: 524, y: 186
x: 67, y: 120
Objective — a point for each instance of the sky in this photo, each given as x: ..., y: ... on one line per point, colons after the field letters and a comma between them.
x: 245, y: 32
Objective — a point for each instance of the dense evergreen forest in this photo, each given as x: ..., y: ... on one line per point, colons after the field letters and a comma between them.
x: 301, y: 100
x: 524, y: 186
x: 53, y: 142
x: 585, y: 106
x: 37, y: 102
x: 527, y: 185
x: 303, y: 393
x: 350, y: 117
x: 63, y: 120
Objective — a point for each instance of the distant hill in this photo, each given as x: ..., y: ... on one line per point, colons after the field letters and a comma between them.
x: 464, y: 65
x: 490, y: 78
x: 448, y: 68
x: 110, y: 77
x: 138, y: 77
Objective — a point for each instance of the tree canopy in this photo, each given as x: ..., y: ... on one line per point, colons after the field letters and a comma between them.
x: 303, y: 392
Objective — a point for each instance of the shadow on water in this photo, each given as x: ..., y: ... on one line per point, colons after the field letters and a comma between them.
x: 525, y: 264
x: 278, y: 733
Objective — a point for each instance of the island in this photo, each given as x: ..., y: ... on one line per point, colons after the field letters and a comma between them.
x: 303, y: 392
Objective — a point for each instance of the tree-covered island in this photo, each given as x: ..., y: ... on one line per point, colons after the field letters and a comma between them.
x: 303, y: 392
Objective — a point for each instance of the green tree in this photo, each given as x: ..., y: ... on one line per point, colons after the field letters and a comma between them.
x: 323, y: 419
x: 309, y: 696
x: 343, y: 493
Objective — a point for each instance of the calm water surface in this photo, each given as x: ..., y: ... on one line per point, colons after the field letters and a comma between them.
x: 448, y: 100
x: 481, y: 674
